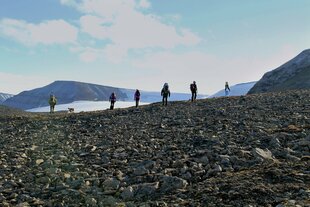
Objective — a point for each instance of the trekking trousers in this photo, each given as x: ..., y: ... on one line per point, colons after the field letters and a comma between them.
x: 194, y: 96
x: 165, y: 100
x: 112, y: 105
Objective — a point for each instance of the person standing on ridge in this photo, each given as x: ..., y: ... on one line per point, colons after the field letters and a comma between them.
x: 193, y: 88
x: 165, y: 92
x: 112, y: 100
x: 137, y: 97
x: 227, y: 89
x: 52, y: 102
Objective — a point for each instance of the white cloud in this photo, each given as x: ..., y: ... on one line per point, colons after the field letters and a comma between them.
x: 48, y: 32
x: 126, y: 27
x: 14, y: 84
x: 89, y: 55
x: 137, y: 31
x: 115, y: 53
x: 144, y: 4
x: 93, y: 25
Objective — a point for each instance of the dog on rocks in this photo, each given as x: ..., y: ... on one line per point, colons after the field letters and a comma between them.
x: 70, y: 110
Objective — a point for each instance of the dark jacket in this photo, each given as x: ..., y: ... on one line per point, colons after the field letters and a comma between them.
x: 165, y: 92
x: 137, y: 95
x: 113, y: 97
x: 193, y: 87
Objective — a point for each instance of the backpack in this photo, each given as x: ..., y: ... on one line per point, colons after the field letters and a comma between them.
x: 113, y: 97
x: 165, y: 90
x: 193, y: 87
x: 137, y: 94
x: 52, y: 100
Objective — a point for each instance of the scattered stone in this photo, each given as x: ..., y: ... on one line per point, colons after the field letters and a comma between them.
x: 39, y: 161
x: 171, y: 183
x: 128, y: 193
x: 111, y: 184
x: 264, y: 154
x: 140, y: 171
x: 232, y: 151
x: 25, y: 204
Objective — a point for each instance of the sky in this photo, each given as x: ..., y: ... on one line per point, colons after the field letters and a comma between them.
x: 145, y: 43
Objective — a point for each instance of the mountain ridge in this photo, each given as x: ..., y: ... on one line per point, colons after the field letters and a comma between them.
x: 294, y: 74
x: 4, y: 96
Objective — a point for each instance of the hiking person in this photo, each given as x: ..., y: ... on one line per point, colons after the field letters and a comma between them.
x: 112, y: 100
x: 165, y: 92
x: 137, y: 97
x: 193, y: 88
x: 227, y: 89
x: 52, y: 102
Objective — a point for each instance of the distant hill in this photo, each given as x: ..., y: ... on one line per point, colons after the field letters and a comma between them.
x: 70, y: 91
x: 66, y: 92
x: 236, y: 90
x: 295, y: 74
x: 4, y: 96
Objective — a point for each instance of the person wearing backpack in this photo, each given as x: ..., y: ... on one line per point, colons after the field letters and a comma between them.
x: 193, y: 88
x: 52, y: 102
x: 165, y: 92
x: 227, y: 89
x: 137, y: 97
x: 112, y: 100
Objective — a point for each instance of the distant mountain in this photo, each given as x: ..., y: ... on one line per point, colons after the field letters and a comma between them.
x: 4, y: 96
x: 71, y: 91
x: 236, y: 90
x: 66, y: 92
x: 295, y: 74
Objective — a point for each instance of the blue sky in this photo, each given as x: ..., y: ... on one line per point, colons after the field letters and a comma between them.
x: 144, y: 43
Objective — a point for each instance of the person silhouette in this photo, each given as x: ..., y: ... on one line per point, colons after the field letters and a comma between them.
x: 227, y: 89
x: 137, y: 97
x: 112, y: 100
x: 52, y: 102
x: 165, y: 93
x: 193, y: 88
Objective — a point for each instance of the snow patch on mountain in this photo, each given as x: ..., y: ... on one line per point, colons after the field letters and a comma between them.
x: 236, y: 90
x: 4, y: 96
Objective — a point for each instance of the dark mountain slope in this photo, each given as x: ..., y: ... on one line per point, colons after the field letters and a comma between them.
x: 294, y: 74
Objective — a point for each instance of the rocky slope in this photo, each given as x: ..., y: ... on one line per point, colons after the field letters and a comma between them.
x: 9, y: 112
x: 236, y: 151
x: 295, y: 74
